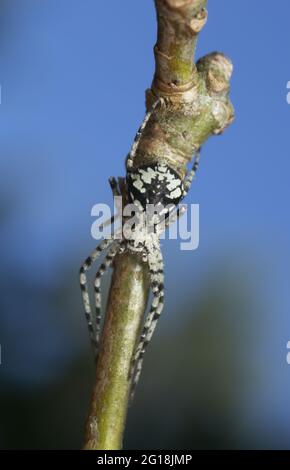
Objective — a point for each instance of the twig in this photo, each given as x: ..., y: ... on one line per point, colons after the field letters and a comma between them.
x: 127, y: 301
x: 197, y: 106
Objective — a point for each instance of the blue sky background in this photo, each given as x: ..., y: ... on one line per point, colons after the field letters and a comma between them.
x: 73, y: 75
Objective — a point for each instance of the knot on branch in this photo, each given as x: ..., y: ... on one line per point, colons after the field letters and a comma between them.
x: 186, y: 8
x: 191, y: 114
x: 190, y: 12
x: 198, y: 21
x: 216, y: 69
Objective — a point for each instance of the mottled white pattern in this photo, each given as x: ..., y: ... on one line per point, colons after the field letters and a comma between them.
x: 173, y: 184
x: 175, y: 194
x: 162, y: 168
x: 147, y: 175
x: 139, y: 185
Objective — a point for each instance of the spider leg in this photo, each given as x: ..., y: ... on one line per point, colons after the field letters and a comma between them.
x: 114, y: 186
x: 170, y: 218
x: 108, y: 261
x: 131, y: 156
x: 116, y: 190
x: 86, y: 266
x: 157, y: 286
x: 173, y: 217
x: 110, y: 221
x: 191, y: 174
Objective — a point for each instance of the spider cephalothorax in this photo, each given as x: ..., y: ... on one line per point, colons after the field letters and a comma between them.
x: 158, y: 185
x: 155, y: 191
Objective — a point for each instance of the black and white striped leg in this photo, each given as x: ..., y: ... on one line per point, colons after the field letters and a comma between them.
x: 86, y: 266
x: 191, y: 174
x: 114, y: 186
x: 157, y: 285
x: 110, y: 221
x: 108, y: 261
x: 172, y: 217
x: 131, y: 156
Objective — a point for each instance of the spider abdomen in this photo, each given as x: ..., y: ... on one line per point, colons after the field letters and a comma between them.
x: 154, y: 184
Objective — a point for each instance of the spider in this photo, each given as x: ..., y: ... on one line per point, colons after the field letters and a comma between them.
x: 154, y: 184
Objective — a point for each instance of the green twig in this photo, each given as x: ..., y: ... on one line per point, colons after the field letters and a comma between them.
x: 127, y: 302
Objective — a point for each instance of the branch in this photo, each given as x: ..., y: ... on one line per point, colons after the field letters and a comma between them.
x: 127, y: 302
x: 179, y: 22
x: 197, y: 106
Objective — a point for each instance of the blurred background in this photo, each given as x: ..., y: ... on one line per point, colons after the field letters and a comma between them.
x: 73, y: 75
